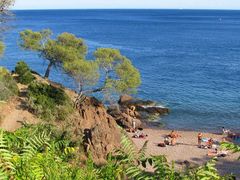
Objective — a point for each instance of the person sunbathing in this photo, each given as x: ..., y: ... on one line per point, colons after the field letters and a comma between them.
x: 210, y: 143
x: 139, y: 134
x: 212, y: 153
x: 217, y: 153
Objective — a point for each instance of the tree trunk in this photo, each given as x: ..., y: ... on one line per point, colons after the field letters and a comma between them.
x: 93, y: 91
x: 48, y: 70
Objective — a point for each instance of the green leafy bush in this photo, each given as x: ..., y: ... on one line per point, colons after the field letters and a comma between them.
x: 24, y: 73
x: 44, y: 152
x: 48, y: 102
x: 8, y: 86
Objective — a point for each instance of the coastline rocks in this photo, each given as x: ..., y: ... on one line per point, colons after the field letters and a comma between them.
x: 125, y: 117
x: 142, y: 106
x: 153, y: 110
x: 126, y: 100
x: 131, y: 110
x: 100, y: 131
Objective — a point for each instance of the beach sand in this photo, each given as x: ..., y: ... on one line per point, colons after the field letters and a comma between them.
x: 186, y: 149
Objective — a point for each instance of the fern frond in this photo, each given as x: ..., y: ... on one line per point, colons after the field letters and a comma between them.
x: 37, y: 170
x: 208, y: 171
x: 142, y: 151
x: 137, y: 173
x: 6, y: 164
x: 3, y: 175
x: 127, y: 152
x: 34, y: 144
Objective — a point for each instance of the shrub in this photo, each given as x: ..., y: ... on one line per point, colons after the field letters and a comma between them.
x: 48, y: 102
x: 24, y: 73
x: 8, y: 86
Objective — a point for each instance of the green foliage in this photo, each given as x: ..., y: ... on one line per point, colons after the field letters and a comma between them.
x: 44, y: 152
x: 68, y: 52
x: 2, y: 48
x: 128, y: 77
x: 107, y: 57
x: 84, y: 72
x: 116, y: 73
x: 37, y: 157
x: 6, y: 156
x: 8, y: 86
x: 66, y: 47
x: 21, y: 68
x: 208, y: 172
x: 31, y: 40
x: 49, y: 102
x: 120, y: 74
x: 24, y: 73
x: 232, y: 147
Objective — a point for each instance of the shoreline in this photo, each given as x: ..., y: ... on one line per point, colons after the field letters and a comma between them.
x: 160, y: 125
x: 186, y: 149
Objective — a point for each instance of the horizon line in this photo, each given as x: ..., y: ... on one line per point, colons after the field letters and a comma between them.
x: 125, y: 9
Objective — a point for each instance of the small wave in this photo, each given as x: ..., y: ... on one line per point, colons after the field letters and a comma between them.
x: 158, y: 106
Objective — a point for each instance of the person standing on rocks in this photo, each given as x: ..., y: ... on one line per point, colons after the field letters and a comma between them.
x: 134, y: 125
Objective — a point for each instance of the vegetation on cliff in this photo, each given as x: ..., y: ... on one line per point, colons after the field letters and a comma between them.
x: 24, y: 73
x: 48, y: 102
x: 110, y: 72
x: 8, y: 86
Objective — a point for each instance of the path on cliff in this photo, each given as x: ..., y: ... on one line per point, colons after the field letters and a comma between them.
x: 13, y: 112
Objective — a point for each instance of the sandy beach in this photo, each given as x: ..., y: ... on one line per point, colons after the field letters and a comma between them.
x: 187, y: 150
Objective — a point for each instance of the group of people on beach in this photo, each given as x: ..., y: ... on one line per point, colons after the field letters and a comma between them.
x: 170, y: 139
x: 213, y: 146
x: 138, y: 132
x: 208, y: 141
x: 202, y: 142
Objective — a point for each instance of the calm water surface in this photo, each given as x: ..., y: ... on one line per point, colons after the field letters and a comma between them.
x: 189, y: 60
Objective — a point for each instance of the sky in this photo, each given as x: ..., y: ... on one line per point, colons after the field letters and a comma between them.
x: 128, y: 4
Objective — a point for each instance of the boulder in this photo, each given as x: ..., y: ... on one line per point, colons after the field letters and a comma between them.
x: 153, y: 110
x: 125, y: 116
x: 142, y: 106
x: 125, y: 99
x: 99, y: 130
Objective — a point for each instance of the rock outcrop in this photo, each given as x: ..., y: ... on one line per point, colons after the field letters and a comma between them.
x: 125, y: 117
x: 101, y: 133
x: 147, y: 106
x: 131, y: 110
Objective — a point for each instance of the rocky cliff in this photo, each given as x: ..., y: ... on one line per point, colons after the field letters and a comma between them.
x: 100, y: 132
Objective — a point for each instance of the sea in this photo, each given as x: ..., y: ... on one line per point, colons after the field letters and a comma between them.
x: 189, y: 59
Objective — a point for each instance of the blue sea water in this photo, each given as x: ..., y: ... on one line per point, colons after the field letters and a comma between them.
x: 189, y: 59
